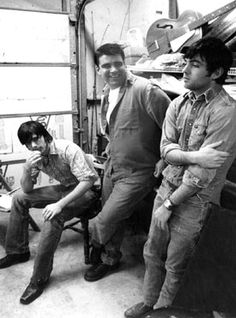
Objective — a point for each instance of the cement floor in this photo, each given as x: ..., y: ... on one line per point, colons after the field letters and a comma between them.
x: 68, y: 295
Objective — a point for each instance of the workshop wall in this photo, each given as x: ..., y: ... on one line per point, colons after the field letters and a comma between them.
x: 33, y: 4
x: 125, y: 21
x: 114, y: 21
x: 35, y: 77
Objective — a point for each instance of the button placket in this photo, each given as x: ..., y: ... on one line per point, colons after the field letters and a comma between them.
x: 189, y: 125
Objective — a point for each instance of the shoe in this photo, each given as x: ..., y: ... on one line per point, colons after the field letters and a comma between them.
x: 98, y: 271
x: 138, y: 310
x: 95, y: 255
x: 12, y: 259
x: 33, y: 291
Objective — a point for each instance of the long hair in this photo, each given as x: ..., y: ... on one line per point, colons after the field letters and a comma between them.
x: 30, y: 128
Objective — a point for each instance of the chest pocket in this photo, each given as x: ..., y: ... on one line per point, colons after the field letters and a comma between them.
x: 197, y: 135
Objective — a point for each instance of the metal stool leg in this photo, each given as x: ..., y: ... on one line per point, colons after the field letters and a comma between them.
x: 85, y: 226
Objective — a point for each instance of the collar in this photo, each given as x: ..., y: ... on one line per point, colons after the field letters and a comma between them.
x: 130, y: 79
x: 207, y: 96
x: 52, y: 148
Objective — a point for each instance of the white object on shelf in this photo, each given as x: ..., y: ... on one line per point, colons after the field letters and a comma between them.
x: 5, y: 202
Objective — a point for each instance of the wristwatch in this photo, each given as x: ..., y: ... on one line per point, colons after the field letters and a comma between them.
x: 168, y: 204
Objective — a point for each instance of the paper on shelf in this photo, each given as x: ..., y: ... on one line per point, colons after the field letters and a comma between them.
x: 5, y: 202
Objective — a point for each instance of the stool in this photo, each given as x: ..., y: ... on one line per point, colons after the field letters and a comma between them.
x: 83, y: 220
x: 92, y: 211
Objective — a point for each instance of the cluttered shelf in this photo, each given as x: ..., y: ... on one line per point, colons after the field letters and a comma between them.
x: 140, y: 69
x: 172, y: 63
x: 174, y: 70
x: 169, y: 78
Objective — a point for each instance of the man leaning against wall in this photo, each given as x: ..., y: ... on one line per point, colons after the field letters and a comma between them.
x: 195, y: 123
x: 132, y: 112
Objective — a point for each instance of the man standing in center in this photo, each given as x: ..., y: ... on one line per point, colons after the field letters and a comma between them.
x: 132, y: 112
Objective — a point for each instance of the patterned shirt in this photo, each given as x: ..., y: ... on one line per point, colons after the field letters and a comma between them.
x: 67, y: 163
x: 192, y: 123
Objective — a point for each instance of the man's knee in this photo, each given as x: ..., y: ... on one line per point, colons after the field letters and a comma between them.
x: 20, y: 197
x: 55, y: 224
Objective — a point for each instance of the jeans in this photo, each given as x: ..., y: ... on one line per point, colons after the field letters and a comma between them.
x: 167, y: 252
x: 120, y: 197
x: 17, y: 240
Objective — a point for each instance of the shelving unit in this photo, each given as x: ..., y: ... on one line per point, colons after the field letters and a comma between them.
x: 170, y: 70
x: 157, y: 74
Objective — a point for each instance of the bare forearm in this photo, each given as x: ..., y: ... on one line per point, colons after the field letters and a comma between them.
x: 182, y: 193
x: 26, y: 181
x: 180, y: 157
x: 206, y: 157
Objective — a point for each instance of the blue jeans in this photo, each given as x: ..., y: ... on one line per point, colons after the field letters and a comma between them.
x: 120, y: 197
x: 17, y: 240
x: 167, y: 252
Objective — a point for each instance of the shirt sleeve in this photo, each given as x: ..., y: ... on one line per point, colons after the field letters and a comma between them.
x: 81, y: 166
x: 221, y: 127
x: 170, y: 137
x: 157, y: 103
x: 197, y: 177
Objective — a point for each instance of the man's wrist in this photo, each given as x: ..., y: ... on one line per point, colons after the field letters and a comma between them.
x: 27, y: 169
x: 168, y: 204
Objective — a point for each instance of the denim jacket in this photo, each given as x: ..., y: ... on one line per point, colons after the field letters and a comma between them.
x: 194, y: 123
x: 134, y: 130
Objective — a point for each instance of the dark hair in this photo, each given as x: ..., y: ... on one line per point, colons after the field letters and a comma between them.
x: 30, y: 128
x: 108, y: 49
x: 215, y: 53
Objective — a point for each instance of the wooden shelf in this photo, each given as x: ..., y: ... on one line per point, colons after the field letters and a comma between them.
x: 152, y: 70
x: 139, y: 69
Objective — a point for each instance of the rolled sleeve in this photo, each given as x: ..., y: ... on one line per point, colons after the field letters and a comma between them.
x: 81, y: 167
x: 169, y: 131
x: 221, y: 127
x: 168, y: 148
x: 157, y: 103
x: 195, y: 176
